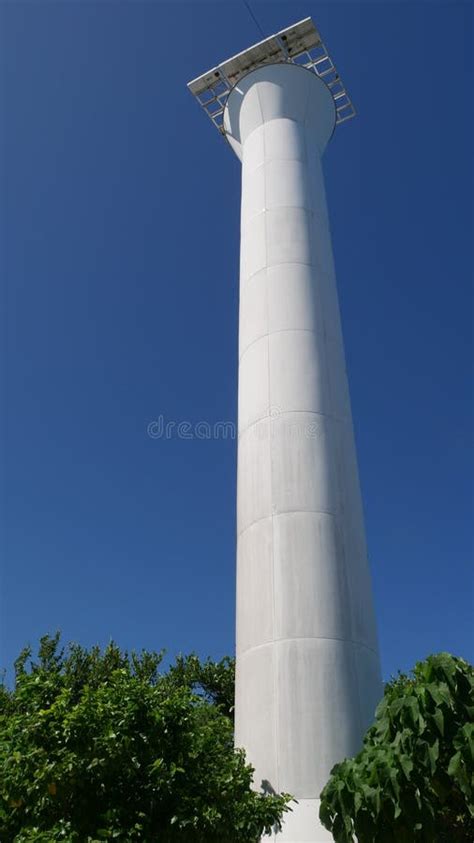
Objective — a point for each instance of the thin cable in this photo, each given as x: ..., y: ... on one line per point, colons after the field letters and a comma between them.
x: 252, y: 15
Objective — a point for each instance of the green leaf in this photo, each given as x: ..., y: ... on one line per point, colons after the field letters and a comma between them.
x: 407, y: 765
x: 433, y: 752
x: 454, y: 764
x: 438, y: 718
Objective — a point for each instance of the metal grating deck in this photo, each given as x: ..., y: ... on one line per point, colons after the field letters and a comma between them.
x: 298, y: 44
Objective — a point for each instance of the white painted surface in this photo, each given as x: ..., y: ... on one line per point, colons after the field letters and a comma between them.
x: 299, y: 825
x: 308, y: 675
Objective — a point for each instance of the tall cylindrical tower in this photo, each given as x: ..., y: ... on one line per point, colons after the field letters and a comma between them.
x: 308, y: 675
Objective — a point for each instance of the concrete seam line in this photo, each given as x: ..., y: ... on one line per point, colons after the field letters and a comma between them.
x: 248, y: 278
x: 278, y: 331
x: 288, y: 512
x: 360, y: 644
x: 294, y: 412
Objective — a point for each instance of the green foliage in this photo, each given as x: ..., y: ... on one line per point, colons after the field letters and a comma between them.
x: 215, y: 681
x: 414, y: 778
x: 103, y: 746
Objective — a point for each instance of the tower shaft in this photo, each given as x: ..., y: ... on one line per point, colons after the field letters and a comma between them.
x: 308, y: 674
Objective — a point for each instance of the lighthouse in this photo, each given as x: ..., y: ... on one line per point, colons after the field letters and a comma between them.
x: 308, y: 670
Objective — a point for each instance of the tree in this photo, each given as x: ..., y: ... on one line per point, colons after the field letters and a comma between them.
x: 414, y: 778
x: 103, y: 745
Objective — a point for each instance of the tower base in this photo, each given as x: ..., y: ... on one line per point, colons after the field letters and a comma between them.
x: 302, y: 825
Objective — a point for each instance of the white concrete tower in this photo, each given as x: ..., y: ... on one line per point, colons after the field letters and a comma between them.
x: 308, y: 674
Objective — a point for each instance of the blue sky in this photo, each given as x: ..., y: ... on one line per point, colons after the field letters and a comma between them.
x: 119, y: 241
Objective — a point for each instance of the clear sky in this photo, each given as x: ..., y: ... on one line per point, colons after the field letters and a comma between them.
x: 119, y: 244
